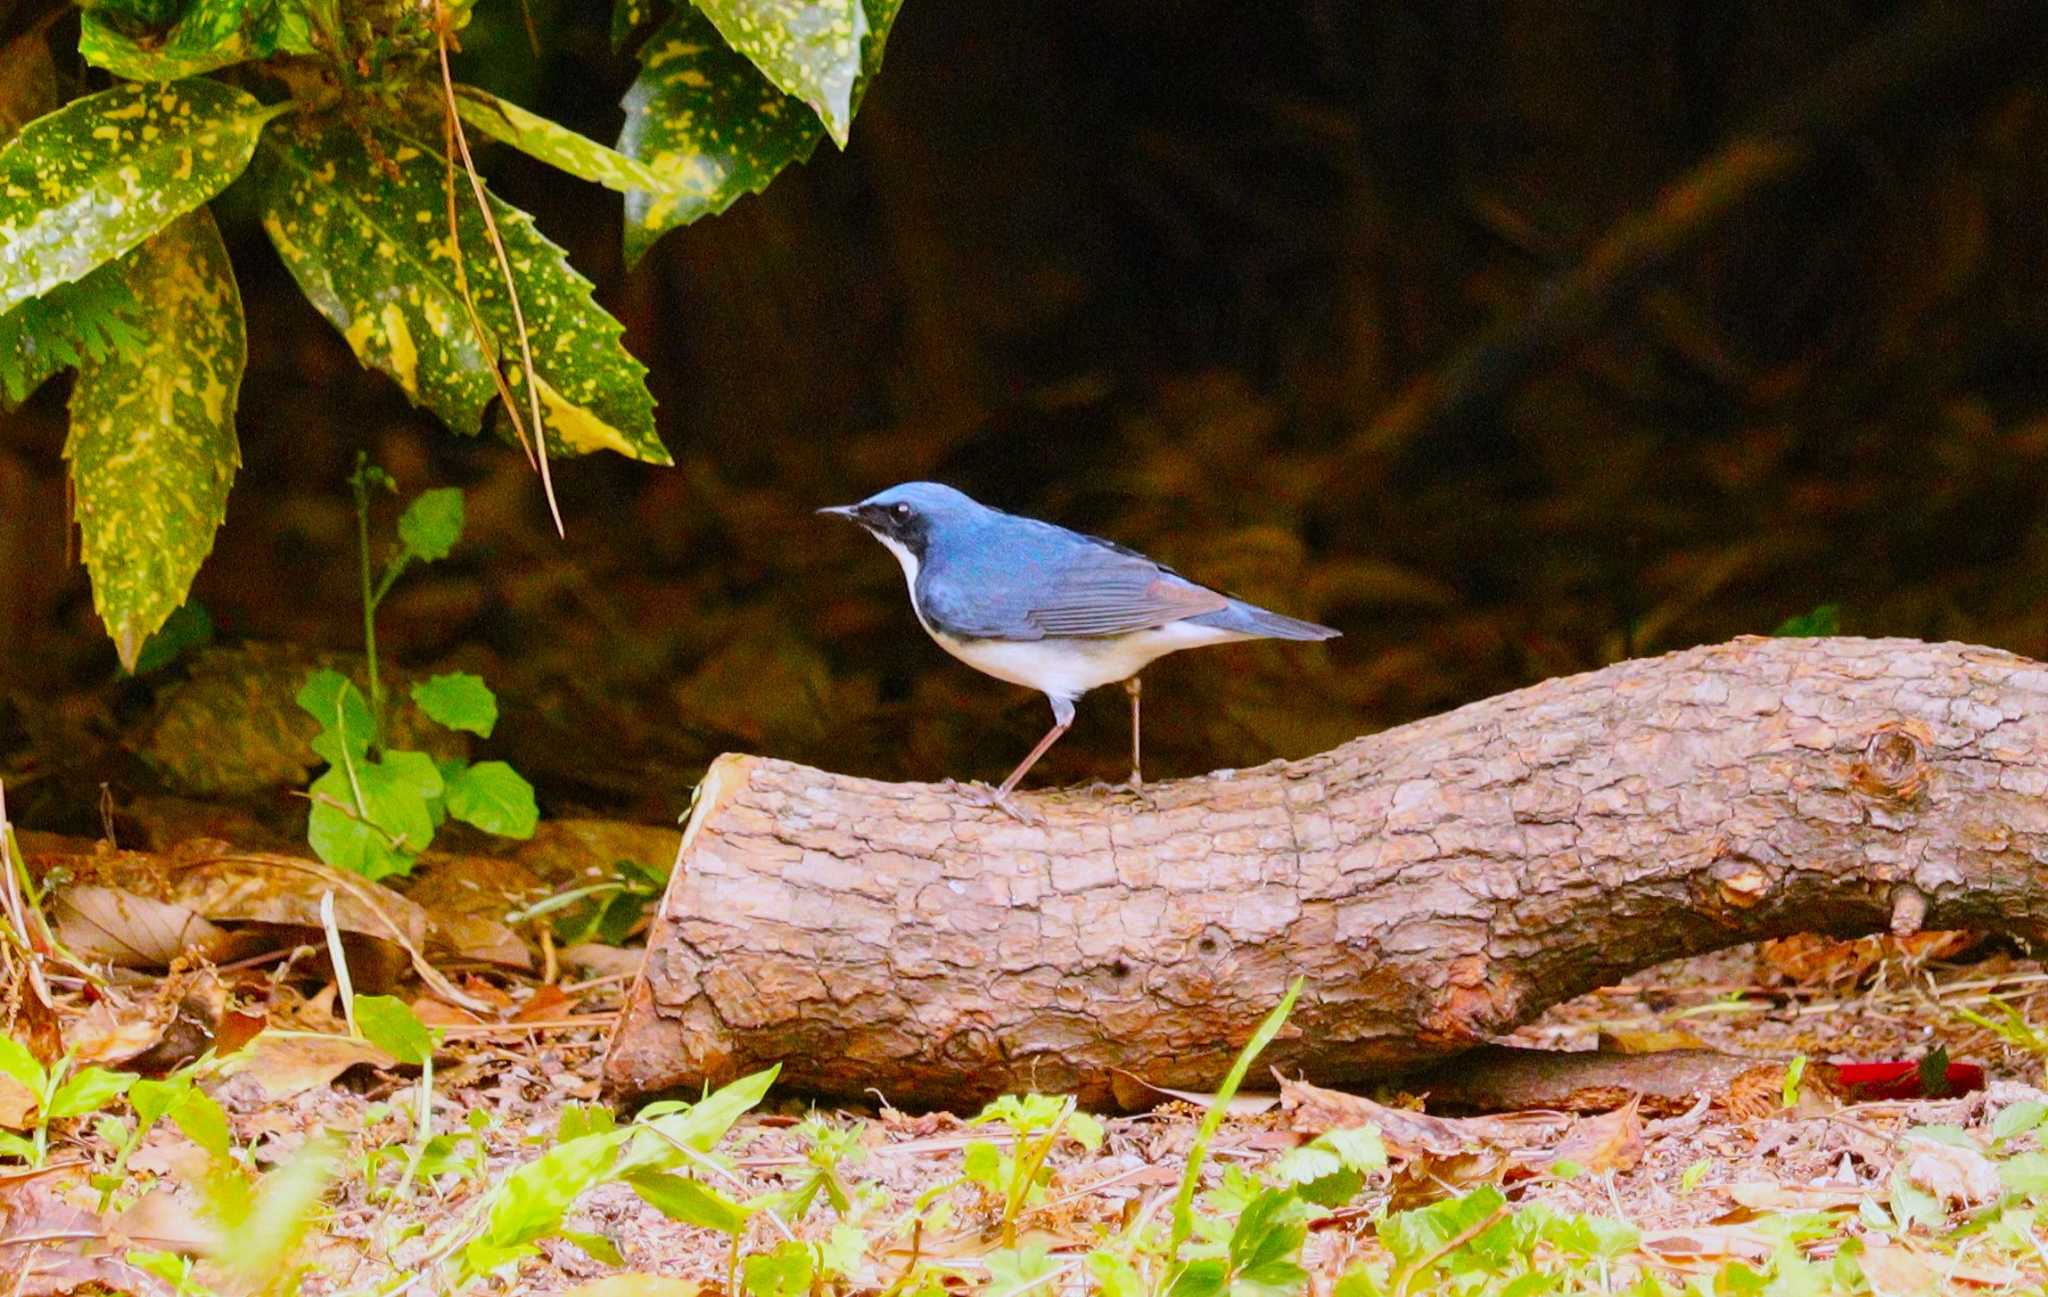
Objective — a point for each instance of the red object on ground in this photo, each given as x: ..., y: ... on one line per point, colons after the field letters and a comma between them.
x: 1902, y: 1080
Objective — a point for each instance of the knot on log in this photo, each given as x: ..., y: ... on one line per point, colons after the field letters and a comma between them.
x: 1894, y: 763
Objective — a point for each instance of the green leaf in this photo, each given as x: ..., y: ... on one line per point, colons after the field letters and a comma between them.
x: 701, y: 1125
x: 432, y: 524
x: 370, y: 248
x: 417, y: 771
x: 531, y: 1201
x: 1115, y: 1276
x: 189, y: 626
x: 18, y: 1063
x: 1823, y: 620
x: 785, y: 1272
x: 332, y: 699
x: 460, y: 701
x: 681, y: 1198
x: 495, y: 798
x: 1203, y: 1278
x: 151, y: 1099
x: 2025, y: 1175
x: 809, y: 48
x: 88, y: 1090
x: 391, y: 1025
x: 377, y: 837
x: 90, y: 319
x: 280, y: 1209
x: 1191, y: 1174
x: 703, y: 119
x: 91, y: 181
x: 209, y: 34
x: 152, y: 445
x: 2018, y: 1118
x: 200, y: 1117
x: 552, y: 143
x: 983, y: 1164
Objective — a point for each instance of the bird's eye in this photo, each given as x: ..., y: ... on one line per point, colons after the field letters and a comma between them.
x: 902, y: 511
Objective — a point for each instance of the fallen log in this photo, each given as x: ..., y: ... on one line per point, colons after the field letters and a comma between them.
x: 1436, y: 884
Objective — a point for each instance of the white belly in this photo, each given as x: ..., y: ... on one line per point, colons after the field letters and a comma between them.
x: 1068, y: 668
x: 1063, y: 668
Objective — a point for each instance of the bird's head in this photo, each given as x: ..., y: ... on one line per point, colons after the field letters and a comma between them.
x: 906, y: 517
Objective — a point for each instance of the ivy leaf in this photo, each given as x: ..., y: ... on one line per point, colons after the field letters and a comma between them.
x: 703, y: 119
x: 809, y: 48
x: 209, y: 34
x: 370, y: 248
x: 432, y: 523
x: 89, y: 182
x: 460, y: 701
x: 152, y: 445
x: 495, y: 798
x: 552, y: 143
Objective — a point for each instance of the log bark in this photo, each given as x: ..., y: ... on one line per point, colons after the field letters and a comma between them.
x: 1436, y: 885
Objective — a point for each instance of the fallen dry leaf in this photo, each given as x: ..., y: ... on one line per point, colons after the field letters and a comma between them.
x: 1612, y: 1141
x: 1622, y: 1040
x: 1897, y: 1272
x: 1134, y: 1092
x: 282, y: 1063
x: 599, y: 960
x: 1765, y: 1195
x: 1958, y: 1176
x: 115, y: 926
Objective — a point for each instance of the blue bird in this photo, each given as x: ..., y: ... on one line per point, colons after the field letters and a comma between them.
x: 1055, y: 610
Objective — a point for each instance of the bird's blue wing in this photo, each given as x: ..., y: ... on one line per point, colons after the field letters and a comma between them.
x: 1044, y: 581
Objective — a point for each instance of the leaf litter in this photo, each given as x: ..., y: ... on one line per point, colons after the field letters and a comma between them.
x: 1699, y: 1189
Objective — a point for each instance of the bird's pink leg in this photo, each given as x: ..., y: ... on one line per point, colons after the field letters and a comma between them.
x: 1132, y: 687
x: 1063, y: 716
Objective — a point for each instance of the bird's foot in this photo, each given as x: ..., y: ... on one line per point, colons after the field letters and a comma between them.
x: 1134, y: 788
x: 980, y: 794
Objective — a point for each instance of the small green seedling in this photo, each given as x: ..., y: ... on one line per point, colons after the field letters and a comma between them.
x: 376, y: 808
x: 1017, y: 1178
x: 60, y: 1094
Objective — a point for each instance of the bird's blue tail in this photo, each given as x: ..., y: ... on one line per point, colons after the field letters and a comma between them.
x: 1249, y: 619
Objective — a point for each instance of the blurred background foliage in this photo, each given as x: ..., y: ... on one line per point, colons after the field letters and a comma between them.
x: 1157, y: 269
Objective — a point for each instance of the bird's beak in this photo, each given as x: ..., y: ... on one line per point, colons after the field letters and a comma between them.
x: 840, y: 510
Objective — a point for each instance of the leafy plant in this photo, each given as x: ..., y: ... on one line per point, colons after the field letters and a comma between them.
x: 348, y: 132
x: 1825, y: 619
x: 190, y: 1109
x: 1017, y: 1178
x: 376, y: 808
x: 608, y: 911
x: 60, y: 1093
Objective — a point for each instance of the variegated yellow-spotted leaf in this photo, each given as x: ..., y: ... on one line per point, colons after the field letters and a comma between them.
x: 82, y: 185
x: 809, y: 48
x: 371, y: 249
x: 375, y: 259
x: 554, y: 144
x: 152, y: 446
x: 206, y: 35
x: 704, y: 119
x: 629, y: 16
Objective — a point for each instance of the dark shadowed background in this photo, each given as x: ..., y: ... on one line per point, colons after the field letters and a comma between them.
x: 1198, y: 276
